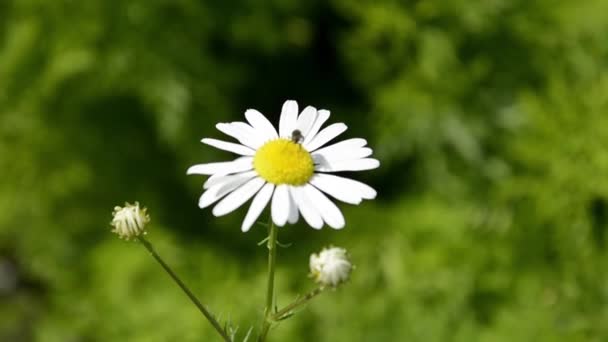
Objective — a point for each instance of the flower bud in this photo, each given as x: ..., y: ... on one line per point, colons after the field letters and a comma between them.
x: 129, y: 221
x: 331, y: 266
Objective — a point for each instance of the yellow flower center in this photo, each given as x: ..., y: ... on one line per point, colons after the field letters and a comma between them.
x: 282, y: 161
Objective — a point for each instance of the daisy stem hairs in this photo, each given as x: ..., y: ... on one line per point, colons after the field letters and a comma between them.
x: 287, y: 311
x: 208, y: 315
x: 272, y: 257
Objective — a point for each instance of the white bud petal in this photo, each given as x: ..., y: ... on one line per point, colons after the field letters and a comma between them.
x: 331, y: 266
x: 129, y: 221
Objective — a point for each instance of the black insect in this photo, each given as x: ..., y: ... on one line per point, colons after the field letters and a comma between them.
x: 296, y: 136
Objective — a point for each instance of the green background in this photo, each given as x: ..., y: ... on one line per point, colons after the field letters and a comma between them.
x: 490, y: 119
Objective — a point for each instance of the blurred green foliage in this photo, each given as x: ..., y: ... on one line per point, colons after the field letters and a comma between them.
x: 490, y: 119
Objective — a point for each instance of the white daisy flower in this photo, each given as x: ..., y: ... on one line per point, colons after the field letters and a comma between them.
x: 290, y: 167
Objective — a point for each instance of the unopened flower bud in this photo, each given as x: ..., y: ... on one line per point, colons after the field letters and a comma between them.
x: 331, y: 266
x: 129, y: 221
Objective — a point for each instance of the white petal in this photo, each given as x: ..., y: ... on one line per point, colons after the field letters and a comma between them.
x: 220, y: 190
x: 224, y: 168
x: 343, y: 189
x: 348, y: 165
x: 322, y: 116
x: 242, y: 132
x: 323, y: 158
x: 289, y: 116
x: 329, y: 211
x: 228, y: 146
x: 259, y: 122
x: 325, y: 136
x: 280, y: 205
x: 307, y: 209
x: 306, y: 120
x: 345, y: 155
x: 294, y: 214
x: 343, y: 145
x: 238, y: 197
x: 219, y: 178
x: 257, y: 137
x: 257, y: 206
x: 344, y: 195
x: 212, y: 180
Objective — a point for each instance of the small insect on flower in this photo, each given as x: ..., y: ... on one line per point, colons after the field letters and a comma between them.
x: 288, y: 169
x: 296, y: 136
x: 331, y: 267
x: 129, y: 221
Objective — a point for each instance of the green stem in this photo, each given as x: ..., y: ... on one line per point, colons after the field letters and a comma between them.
x: 183, y: 286
x: 272, y: 256
x: 289, y: 308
